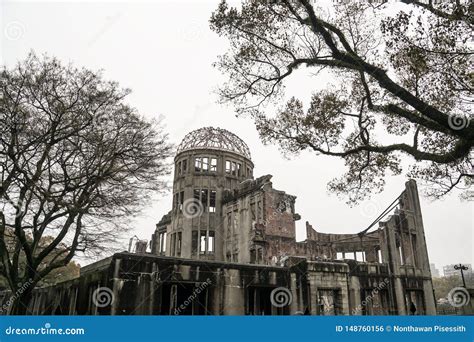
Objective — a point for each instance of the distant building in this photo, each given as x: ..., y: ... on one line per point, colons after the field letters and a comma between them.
x: 434, y: 271
x: 449, y: 271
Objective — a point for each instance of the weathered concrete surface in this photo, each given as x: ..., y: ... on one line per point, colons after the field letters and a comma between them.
x: 229, y: 240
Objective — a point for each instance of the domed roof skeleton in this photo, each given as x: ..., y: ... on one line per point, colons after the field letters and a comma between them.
x: 214, y: 138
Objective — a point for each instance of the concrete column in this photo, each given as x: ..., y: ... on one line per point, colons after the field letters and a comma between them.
x: 115, y: 287
x: 383, y: 242
x: 394, y: 262
x: 399, y: 296
x: 354, y: 296
x: 217, y: 293
x: 429, y: 297
x: 393, y: 256
x: 414, y: 210
x: 295, y: 305
x: 234, y: 297
x: 342, y: 280
x: 414, y: 207
x: 154, y: 270
x: 313, y: 293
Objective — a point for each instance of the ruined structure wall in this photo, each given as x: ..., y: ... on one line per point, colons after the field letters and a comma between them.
x: 230, y: 239
x: 259, y: 224
x: 279, y: 213
x: 327, y: 246
x: 239, y: 232
x: 328, y: 288
x: 151, y: 285
x: 253, y: 223
x: 403, y: 244
x: 200, y: 180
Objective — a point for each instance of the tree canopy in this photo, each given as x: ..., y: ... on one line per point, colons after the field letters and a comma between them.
x: 75, y: 163
x: 401, y: 83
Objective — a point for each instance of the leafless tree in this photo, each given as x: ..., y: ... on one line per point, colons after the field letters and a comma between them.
x: 75, y: 162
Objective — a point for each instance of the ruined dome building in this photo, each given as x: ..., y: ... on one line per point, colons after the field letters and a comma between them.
x: 235, y: 234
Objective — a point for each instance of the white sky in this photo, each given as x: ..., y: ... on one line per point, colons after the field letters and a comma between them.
x: 163, y: 51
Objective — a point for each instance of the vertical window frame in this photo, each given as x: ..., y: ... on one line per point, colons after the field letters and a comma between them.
x: 197, y: 164
x: 213, y: 164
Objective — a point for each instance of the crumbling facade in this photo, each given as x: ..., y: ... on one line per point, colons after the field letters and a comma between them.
x: 228, y: 245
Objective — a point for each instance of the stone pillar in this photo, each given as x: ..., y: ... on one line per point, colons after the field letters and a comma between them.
x: 399, y: 296
x: 394, y: 265
x: 234, y: 298
x: 295, y: 305
x: 383, y: 236
x: 115, y: 287
x: 354, y: 296
x: 217, y: 294
x: 413, y: 209
x: 152, y: 284
x: 430, y: 302
x: 313, y: 293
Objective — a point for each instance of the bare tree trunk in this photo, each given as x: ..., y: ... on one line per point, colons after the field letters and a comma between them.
x: 21, y: 303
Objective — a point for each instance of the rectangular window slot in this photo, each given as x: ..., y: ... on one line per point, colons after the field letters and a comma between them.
x: 198, y: 164
x: 212, y: 201
x: 205, y: 164
x: 210, y: 242
x: 203, y: 241
x: 213, y: 165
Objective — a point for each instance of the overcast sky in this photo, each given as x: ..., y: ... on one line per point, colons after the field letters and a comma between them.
x: 163, y: 51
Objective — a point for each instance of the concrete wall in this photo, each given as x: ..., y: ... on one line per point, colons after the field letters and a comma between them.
x: 183, y: 221
x: 253, y: 223
x: 143, y: 284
